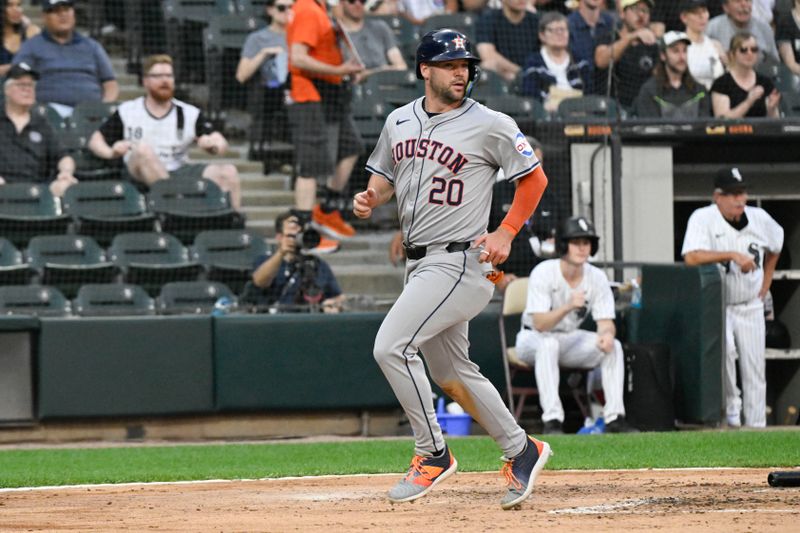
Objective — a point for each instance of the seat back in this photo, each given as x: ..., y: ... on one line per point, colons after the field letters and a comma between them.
x: 490, y: 83
x: 103, y: 199
x: 63, y: 250
x: 515, y: 299
x: 113, y: 299
x: 147, y: 248
x: 192, y: 297
x: 9, y: 254
x: 587, y: 107
x: 229, y: 31
x: 790, y: 104
x: 187, y: 195
x: 89, y: 116
x: 28, y: 200
x: 236, y: 248
x: 463, y: 22
x: 197, y: 10
x: 36, y: 300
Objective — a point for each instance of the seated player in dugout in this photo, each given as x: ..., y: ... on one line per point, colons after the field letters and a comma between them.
x: 153, y: 135
x: 561, y: 293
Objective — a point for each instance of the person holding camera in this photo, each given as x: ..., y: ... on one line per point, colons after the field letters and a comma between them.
x: 561, y: 292
x: 291, y: 278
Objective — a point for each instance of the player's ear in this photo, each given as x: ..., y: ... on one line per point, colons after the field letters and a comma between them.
x: 423, y: 69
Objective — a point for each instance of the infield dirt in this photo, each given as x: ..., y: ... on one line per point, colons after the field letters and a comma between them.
x: 664, y: 500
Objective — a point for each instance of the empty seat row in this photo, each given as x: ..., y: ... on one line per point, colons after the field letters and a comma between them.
x: 101, y: 209
x: 115, y: 299
x: 150, y: 259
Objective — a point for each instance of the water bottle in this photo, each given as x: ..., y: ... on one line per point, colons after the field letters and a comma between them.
x: 222, y: 306
x: 636, y: 294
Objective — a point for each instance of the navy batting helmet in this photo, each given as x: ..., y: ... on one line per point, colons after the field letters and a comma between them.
x: 445, y: 45
x: 575, y: 228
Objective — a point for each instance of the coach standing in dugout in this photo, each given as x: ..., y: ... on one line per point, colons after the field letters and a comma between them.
x: 326, y: 141
x: 73, y: 68
x: 745, y: 242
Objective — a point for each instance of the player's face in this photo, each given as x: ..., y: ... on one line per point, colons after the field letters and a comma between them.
x: 160, y: 82
x: 696, y: 19
x: 578, y: 250
x: 676, y: 57
x: 731, y: 204
x: 447, y: 79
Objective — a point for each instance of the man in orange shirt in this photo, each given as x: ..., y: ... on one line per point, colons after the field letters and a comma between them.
x: 326, y: 141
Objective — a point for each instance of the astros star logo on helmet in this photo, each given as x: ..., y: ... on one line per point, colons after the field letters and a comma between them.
x: 459, y: 42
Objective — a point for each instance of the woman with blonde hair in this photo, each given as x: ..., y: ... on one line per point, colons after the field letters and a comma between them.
x: 743, y: 92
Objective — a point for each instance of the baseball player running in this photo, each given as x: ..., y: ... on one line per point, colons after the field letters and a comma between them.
x: 561, y: 292
x: 440, y: 154
x: 745, y: 242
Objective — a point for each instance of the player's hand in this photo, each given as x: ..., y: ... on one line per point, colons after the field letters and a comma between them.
x: 351, y: 66
x: 496, y: 246
x: 363, y: 203
x: 120, y: 148
x: 61, y: 184
x: 746, y: 262
x: 396, y: 251
x: 578, y: 299
x: 605, y: 342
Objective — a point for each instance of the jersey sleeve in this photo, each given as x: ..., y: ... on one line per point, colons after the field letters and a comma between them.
x: 380, y: 162
x: 112, y: 129
x: 539, y: 293
x: 603, y: 300
x: 250, y: 48
x: 696, y: 237
x: 508, y: 147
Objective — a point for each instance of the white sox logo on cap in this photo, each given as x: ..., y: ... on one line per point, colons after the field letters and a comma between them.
x: 459, y: 42
x: 736, y: 174
x: 582, y: 223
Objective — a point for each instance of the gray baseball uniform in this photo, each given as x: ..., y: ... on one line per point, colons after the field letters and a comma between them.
x: 567, y: 345
x: 443, y: 169
x: 745, y: 331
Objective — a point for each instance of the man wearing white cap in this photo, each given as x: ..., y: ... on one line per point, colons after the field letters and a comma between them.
x: 672, y: 93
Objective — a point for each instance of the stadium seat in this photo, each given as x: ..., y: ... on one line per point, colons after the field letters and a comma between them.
x: 369, y: 114
x: 103, y: 209
x: 228, y: 255
x: 489, y: 83
x: 588, y: 108
x: 252, y: 8
x: 13, y: 269
x: 191, y: 205
x: 404, y: 31
x: 395, y: 87
x: 87, y: 118
x: 36, y: 300
x: 192, y: 297
x: 29, y: 209
x: 223, y: 40
x: 113, y: 299
x: 790, y: 104
x: 69, y: 261
x: 462, y: 22
x: 151, y: 259
x: 525, y: 111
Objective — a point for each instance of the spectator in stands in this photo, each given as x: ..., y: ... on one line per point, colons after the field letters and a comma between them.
x: 265, y: 51
x: 672, y: 93
x: 290, y: 277
x: 551, y: 74
x: 16, y: 30
x: 561, y: 293
x: 373, y: 39
x: 666, y: 15
x: 706, y: 56
x: 417, y: 11
x: 788, y: 36
x: 586, y: 24
x: 763, y: 10
x: 743, y: 92
x: 738, y: 17
x: 73, y: 68
x: 326, y: 141
x: 506, y: 37
x: 630, y: 55
x: 29, y: 149
x: 153, y: 134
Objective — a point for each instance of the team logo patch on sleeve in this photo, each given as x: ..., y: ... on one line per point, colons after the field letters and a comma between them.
x: 522, y: 145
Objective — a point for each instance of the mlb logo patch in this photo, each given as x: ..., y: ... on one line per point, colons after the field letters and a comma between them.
x: 522, y: 145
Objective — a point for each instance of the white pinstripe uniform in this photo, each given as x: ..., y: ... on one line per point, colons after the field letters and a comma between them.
x: 443, y: 169
x: 566, y: 345
x: 744, y: 310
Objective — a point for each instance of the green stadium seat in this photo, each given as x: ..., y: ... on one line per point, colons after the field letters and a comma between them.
x: 192, y: 297
x: 228, y: 255
x: 30, y: 209
x: 13, y: 269
x: 113, y: 299
x: 33, y: 300
x: 588, y: 108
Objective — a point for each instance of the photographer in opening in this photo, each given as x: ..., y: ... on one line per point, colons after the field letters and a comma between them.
x: 291, y: 279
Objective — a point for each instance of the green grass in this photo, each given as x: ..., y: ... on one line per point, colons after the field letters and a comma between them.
x: 25, y: 468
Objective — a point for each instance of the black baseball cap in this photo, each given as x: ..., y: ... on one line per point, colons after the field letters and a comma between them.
x: 21, y: 69
x: 729, y: 179
x: 688, y: 5
x: 48, y: 5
